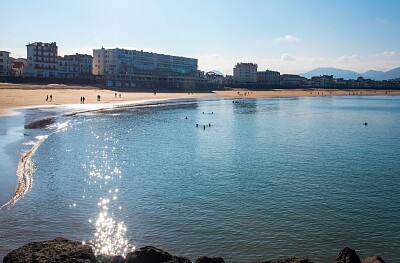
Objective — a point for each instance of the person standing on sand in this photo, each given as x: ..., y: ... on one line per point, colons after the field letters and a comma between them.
x: 83, y: 100
x: 51, y: 98
x: 47, y: 97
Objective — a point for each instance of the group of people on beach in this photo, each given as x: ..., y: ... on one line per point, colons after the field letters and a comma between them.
x: 49, y: 98
x: 82, y: 100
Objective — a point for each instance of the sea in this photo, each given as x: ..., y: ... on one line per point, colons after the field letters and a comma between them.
x: 243, y: 179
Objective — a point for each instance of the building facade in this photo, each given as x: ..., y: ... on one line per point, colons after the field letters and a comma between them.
x: 5, y: 63
x: 18, y: 67
x: 75, y: 66
x: 325, y: 81
x: 292, y: 80
x: 269, y: 77
x: 42, y: 59
x: 245, y: 73
x: 122, y: 62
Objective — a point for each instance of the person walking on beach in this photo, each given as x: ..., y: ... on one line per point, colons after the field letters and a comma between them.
x: 51, y: 98
x: 83, y: 100
x: 47, y: 97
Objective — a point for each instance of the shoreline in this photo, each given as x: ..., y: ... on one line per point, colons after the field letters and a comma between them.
x: 14, y: 97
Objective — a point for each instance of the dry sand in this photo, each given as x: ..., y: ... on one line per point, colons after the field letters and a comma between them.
x: 15, y: 96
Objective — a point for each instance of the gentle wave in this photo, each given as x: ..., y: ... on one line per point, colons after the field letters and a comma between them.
x: 25, y: 172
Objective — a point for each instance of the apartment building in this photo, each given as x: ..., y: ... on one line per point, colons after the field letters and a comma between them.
x: 122, y: 62
x: 5, y: 63
x: 269, y: 77
x: 292, y: 80
x: 245, y: 73
x: 325, y: 81
x: 74, y: 66
x: 42, y: 59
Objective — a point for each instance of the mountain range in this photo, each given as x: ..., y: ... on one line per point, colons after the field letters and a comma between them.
x: 348, y: 74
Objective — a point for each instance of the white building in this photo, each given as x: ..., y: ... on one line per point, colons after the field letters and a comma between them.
x: 121, y: 62
x: 269, y: 77
x: 5, y: 63
x: 245, y: 72
x: 41, y: 59
x: 74, y: 66
x: 18, y: 67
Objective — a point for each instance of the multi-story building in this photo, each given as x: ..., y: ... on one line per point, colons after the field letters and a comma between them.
x: 74, y: 66
x: 5, y: 63
x: 245, y: 72
x: 41, y: 59
x: 325, y: 81
x: 269, y: 77
x: 122, y: 62
x: 214, y: 77
x: 18, y: 66
x: 292, y: 80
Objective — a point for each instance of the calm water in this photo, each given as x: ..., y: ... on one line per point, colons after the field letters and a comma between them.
x: 269, y: 178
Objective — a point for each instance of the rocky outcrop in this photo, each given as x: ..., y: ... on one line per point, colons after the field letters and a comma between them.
x: 56, y: 250
x: 64, y: 250
x: 372, y: 259
x: 347, y: 255
x: 39, y: 124
x: 154, y: 255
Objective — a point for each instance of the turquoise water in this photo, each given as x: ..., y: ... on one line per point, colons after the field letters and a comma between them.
x: 269, y: 178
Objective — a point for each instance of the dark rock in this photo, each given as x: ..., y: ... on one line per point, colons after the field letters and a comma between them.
x: 209, y: 260
x: 39, y: 124
x: 290, y: 260
x: 110, y: 259
x: 347, y: 255
x: 372, y: 259
x: 56, y: 250
x: 153, y: 255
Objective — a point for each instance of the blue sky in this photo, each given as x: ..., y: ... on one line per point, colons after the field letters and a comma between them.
x: 291, y: 36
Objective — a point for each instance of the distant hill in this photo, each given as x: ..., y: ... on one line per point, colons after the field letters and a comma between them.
x: 349, y: 74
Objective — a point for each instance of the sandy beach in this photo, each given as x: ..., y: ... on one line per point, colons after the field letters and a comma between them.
x: 15, y: 96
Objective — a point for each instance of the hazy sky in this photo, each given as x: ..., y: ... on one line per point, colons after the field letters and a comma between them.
x: 291, y: 36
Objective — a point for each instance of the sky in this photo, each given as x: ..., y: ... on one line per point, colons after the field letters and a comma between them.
x: 290, y: 36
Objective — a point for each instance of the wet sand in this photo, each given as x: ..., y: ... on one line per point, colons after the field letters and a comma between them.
x: 15, y: 96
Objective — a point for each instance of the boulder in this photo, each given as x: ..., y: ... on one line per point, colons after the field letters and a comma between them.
x: 209, y: 260
x: 110, y: 259
x: 347, y: 255
x: 372, y: 259
x: 56, y: 250
x: 153, y: 255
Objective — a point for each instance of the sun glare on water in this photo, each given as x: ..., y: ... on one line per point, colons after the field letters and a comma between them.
x: 110, y: 234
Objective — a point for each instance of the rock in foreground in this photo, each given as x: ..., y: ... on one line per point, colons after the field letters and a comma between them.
x: 64, y: 250
x: 56, y: 250
x: 152, y: 254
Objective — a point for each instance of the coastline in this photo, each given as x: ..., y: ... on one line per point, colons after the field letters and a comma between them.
x: 19, y: 96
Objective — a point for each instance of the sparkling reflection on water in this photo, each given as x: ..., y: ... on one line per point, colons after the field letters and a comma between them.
x: 265, y: 179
